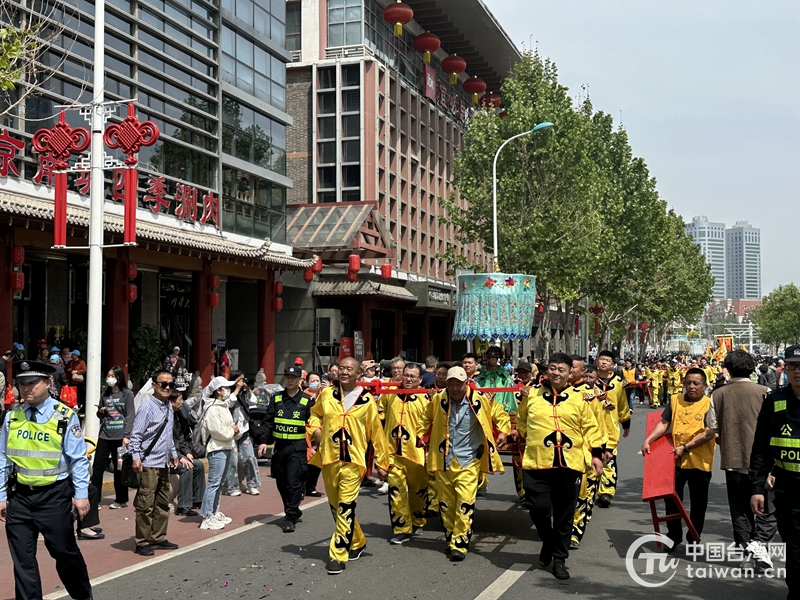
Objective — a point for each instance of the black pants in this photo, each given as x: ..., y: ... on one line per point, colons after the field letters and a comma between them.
x: 106, y: 448
x: 787, y: 513
x: 290, y: 470
x: 191, y: 484
x: 92, y: 518
x: 698, y: 481
x: 47, y: 511
x: 551, y: 496
x: 313, y: 478
x: 748, y: 527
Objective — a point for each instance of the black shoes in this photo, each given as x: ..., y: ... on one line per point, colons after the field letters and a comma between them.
x: 164, y: 545
x: 144, y: 550
x: 560, y: 570
x: 457, y: 555
x: 400, y: 538
x: 356, y: 554
x: 604, y: 501
x: 288, y: 526
x: 93, y: 536
x: 186, y: 512
x: 574, y: 544
x: 314, y: 494
x: 335, y: 567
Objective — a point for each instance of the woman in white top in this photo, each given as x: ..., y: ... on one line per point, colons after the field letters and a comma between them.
x: 219, y: 432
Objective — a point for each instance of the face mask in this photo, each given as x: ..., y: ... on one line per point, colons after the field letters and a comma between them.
x: 111, y: 381
x: 226, y: 394
x: 314, y: 385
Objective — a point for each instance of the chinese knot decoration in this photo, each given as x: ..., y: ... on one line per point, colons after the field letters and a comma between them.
x: 59, y: 143
x: 597, y: 310
x: 130, y: 136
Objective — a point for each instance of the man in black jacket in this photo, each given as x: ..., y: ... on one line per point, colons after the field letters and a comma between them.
x: 191, y: 471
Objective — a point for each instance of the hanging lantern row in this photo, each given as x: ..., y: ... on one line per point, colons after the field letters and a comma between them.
x: 398, y: 14
x: 474, y: 86
x: 277, y: 301
x: 427, y: 43
x: 308, y: 274
x: 17, y: 275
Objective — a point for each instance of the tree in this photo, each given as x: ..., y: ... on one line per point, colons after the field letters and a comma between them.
x: 778, y: 317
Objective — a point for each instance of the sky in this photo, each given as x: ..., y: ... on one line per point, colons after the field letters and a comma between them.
x: 709, y: 93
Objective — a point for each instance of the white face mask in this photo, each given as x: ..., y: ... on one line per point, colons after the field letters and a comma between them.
x: 111, y: 381
x: 314, y: 385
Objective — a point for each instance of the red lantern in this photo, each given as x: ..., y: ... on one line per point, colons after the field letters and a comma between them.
x: 213, y: 299
x: 17, y: 256
x: 475, y: 86
x: 278, y: 288
x: 17, y: 281
x: 308, y: 274
x: 427, y: 43
x: 386, y: 270
x: 352, y: 275
x: 577, y: 325
x: 453, y: 65
x: 131, y: 270
x: 354, y: 263
x: 317, y: 266
x: 213, y: 281
x: 490, y: 101
x: 131, y: 292
x: 643, y: 326
x: 277, y: 304
x: 398, y: 14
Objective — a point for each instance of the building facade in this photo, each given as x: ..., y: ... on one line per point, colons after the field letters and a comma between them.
x: 372, y: 153
x: 711, y: 239
x: 743, y: 261
x: 211, y: 192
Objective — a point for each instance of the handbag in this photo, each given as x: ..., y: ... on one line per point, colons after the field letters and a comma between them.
x: 127, y: 475
x: 69, y: 395
x: 77, y: 378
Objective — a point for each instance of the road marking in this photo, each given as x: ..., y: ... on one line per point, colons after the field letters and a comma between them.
x: 181, y: 551
x: 500, y: 585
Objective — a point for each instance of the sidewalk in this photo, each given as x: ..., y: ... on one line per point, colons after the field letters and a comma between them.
x: 116, y: 550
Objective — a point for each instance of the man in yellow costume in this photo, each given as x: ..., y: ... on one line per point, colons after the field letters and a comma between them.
x: 461, y: 446
x: 584, y: 379
x: 693, y: 437
x: 615, y: 413
x: 562, y: 441
x: 408, y: 478
x: 344, y: 420
x: 655, y: 375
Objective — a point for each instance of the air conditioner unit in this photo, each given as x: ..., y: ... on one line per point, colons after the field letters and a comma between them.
x: 328, y: 326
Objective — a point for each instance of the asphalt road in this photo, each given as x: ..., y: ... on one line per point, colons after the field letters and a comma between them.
x: 261, y: 562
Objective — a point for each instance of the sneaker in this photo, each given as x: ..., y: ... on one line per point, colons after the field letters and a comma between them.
x: 604, y: 501
x: 288, y: 526
x: 748, y: 563
x: 367, y: 482
x: 234, y: 493
x: 400, y: 538
x: 356, y: 554
x: 252, y: 491
x: 457, y: 555
x: 186, y: 512
x: 384, y: 488
x: 418, y: 531
x: 218, y: 516
x: 115, y: 505
x: 211, y: 523
x: 482, y: 491
x: 164, y: 545
x: 760, y: 554
x: 335, y: 567
x: 560, y: 570
x: 144, y: 550
x: 574, y: 544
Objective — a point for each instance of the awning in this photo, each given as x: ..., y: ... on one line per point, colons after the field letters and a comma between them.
x: 334, y: 230
x: 362, y: 288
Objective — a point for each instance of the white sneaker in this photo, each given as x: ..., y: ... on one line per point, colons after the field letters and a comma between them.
x: 760, y: 553
x: 221, y: 518
x: 252, y: 491
x: 235, y: 493
x: 211, y: 523
x: 384, y: 489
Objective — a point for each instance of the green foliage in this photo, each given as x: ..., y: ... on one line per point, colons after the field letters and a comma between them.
x: 146, y: 353
x: 18, y: 45
x: 778, y: 317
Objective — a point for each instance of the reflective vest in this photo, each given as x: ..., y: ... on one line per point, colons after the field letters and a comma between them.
x: 785, y: 440
x: 290, y: 425
x: 689, y: 421
x: 36, y: 448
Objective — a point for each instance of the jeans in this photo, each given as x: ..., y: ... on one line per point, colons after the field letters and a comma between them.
x: 218, y: 462
x: 631, y: 394
x: 191, y: 484
x: 247, y: 456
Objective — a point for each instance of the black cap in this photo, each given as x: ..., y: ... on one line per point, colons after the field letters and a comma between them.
x: 524, y: 365
x: 31, y: 369
x: 792, y: 354
x: 294, y: 371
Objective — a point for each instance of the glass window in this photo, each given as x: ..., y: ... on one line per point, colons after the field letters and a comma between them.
x: 351, y: 101
x: 327, y: 152
x: 327, y: 102
x: 335, y: 35
x: 327, y: 177
x: 293, y: 25
x: 326, y: 197
x: 351, y: 75
x: 351, y: 126
x: 351, y: 176
x: 351, y: 151
x: 327, y: 128
x: 327, y: 78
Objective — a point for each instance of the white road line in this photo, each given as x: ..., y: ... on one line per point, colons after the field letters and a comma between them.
x: 502, y: 583
x: 180, y: 552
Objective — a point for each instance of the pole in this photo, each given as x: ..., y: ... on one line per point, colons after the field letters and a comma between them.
x: 751, y: 337
x: 93, y: 345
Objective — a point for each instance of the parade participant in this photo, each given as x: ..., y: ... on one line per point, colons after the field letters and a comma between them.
x: 44, y: 474
x: 461, y: 445
x: 655, y: 375
x: 344, y: 420
x: 433, y: 497
x: 494, y: 375
x: 674, y: 378
x: 702, y: 364
x: 285, y: 424
x: 584, y: 379
x: 628, y: 375
x: 562, y: 441
x: 776, y: 452
x: 693, y: 430
x: 408, y: 478
x: 524, y: 378
x: 616, y: 413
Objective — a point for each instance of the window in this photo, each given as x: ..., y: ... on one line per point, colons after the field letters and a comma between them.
x: 271, y: 23
x: 327, y: 78
x: 253, y: 206
x: 252, y: 136
x: 344, y: 23
x: 252, y: 69
x: 327, y: 128
x: 351, y: 75
x: 351, y: 126
x: 293, y: 25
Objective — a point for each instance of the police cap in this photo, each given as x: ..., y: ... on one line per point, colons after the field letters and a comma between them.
x: 31, y: 369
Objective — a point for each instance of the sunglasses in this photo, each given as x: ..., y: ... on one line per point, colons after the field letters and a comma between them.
x: 165, y: 385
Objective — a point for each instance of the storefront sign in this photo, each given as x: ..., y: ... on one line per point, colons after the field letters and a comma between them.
x: 432, y: 296
x: 438, y: 295
x: 429, y: 74
x: 358, y: 345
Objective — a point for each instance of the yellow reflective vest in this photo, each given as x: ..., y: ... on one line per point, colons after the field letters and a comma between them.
x: 36, y: 448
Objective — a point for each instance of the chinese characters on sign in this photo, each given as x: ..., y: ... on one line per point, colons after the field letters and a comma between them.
x: 451, y: 103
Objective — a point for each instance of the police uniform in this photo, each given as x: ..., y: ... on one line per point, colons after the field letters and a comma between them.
x: 43, y: 466
x: 776, y: 450
x: 285, y: 423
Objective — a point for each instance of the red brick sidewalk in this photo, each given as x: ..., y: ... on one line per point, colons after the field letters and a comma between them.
x: 116, y: 550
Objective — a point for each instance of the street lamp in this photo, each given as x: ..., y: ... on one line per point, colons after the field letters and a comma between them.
x: 539, y: 127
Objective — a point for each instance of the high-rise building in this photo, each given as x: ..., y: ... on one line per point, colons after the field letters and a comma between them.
x: 711, y: 239
x: 743, y: 261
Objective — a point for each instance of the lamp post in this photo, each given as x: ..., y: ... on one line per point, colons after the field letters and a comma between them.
x: 539, y: 127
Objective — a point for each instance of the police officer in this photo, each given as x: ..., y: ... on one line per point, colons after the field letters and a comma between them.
x: 285, y: 424
x: 44, y: 474
x: 776, y: 452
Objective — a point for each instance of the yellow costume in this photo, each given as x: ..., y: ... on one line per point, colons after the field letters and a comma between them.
x: 408, y: 478
x: 674, y: 381
x: 616, y: 412
x: 656, y: 377
x: 341, y: 456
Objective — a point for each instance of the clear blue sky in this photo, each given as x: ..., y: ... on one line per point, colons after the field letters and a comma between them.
x: 709, y: 93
